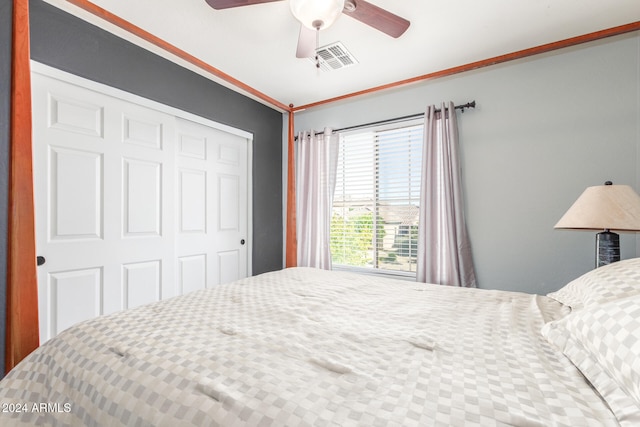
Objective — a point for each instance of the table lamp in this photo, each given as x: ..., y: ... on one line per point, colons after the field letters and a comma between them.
x: 605, y: 207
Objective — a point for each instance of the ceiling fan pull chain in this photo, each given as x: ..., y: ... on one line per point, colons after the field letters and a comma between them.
x: 317, y: 46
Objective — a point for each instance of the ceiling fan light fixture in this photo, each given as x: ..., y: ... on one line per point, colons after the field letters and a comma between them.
x: 316, y: 14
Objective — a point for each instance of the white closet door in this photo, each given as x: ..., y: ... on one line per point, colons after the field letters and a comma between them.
x: 126, y: 213
x: 211, y: 238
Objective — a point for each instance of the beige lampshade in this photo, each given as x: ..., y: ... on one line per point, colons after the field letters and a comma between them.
x: 612, y: 207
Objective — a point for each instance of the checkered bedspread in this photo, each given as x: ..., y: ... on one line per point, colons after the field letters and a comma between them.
x: 304, y: 347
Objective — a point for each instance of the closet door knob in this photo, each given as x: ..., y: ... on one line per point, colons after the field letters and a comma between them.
x: 242, y: 242
x: 40, y: 260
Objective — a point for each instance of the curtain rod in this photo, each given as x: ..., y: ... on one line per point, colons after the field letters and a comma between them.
x: 461, y: 107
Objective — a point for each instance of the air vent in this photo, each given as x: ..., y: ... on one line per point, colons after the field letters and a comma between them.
x: 334, y: 56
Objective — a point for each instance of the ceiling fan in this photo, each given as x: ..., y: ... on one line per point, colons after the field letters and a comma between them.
x: 315, y: 15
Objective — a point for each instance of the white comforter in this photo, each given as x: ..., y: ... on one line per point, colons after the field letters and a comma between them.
x: 306, y: 347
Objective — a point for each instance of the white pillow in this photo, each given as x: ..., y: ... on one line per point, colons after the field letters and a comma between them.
x: 604, y: 343
x: 610, y: 282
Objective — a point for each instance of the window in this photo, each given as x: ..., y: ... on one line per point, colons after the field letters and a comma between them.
x: 374, y: 220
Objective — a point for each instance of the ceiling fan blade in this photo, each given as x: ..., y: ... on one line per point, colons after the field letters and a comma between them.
x: 306, y: 43
x: 227, y: 4
x: 377, y: 18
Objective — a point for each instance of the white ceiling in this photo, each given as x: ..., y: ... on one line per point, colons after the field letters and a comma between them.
x: 256, y: 44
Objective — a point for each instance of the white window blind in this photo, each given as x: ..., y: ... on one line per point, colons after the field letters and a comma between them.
x: 375, y: 210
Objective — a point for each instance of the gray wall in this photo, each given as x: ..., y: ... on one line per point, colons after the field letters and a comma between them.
x: 70, y: 44
x: 546, y: 127
x: 6, y: 8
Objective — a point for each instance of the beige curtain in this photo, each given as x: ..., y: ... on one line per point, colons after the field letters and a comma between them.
x: 444, y: 250
x: 316, y: 166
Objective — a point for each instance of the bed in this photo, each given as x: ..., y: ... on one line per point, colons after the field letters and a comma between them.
x: 307, y: 347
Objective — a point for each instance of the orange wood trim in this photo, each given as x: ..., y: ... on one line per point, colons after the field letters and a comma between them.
x: 292, y: 239
x: 622, y: 29
x: 145, y: 35
x: 22, y: 335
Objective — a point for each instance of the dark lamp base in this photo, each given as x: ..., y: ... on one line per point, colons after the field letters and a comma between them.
x: 607, y: 248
